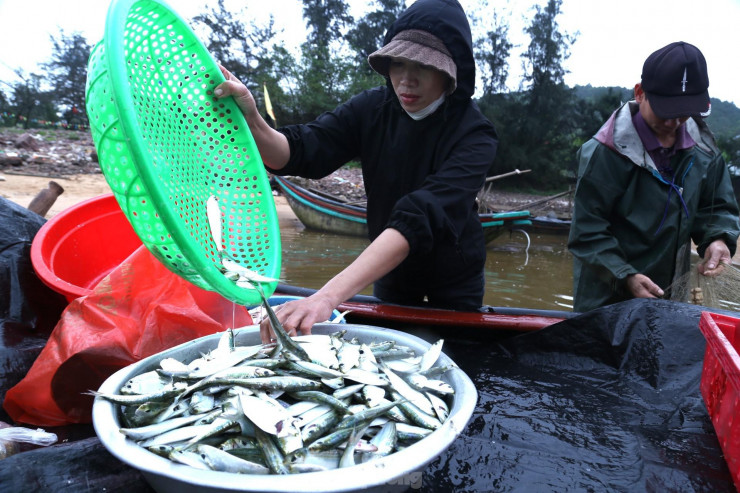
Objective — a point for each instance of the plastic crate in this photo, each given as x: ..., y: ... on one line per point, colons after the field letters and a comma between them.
x: 720, y: 384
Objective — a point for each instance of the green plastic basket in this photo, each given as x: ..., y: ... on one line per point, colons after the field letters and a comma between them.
x: 166, y: 144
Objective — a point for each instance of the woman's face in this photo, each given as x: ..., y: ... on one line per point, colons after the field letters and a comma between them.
x: 416, y: 85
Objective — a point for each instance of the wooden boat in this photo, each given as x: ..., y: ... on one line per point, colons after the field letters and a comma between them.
x: 500, y: 320
x: 322, y: 213
x: 548, y: 225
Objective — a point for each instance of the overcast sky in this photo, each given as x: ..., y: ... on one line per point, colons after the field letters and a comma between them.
x: 614, y: 37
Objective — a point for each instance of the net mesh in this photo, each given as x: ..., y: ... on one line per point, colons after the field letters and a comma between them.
x: 713, y: 292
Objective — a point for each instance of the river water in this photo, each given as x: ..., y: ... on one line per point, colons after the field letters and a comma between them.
x: 522, y: 271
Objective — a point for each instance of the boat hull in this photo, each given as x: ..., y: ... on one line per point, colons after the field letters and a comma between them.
x: 332, y: 216
x: 368, y: 309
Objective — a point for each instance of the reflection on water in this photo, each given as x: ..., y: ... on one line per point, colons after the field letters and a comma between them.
x: 521, y: 272
x: 537, y: 277
x: 529, y: 272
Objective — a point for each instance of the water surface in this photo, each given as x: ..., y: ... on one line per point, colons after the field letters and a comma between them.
x: 521, y: 272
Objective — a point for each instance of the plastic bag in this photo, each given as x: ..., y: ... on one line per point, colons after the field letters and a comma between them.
x: 11, y: 436
x: 139, y: 309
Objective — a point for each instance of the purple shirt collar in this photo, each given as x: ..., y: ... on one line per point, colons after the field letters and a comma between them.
x: 661, y: 155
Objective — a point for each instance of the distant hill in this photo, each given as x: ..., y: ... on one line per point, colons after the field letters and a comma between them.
x: 724, y: 120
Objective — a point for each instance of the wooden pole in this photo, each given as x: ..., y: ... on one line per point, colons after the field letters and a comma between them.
x: 43, y: 201
x: 510, y: 173
x: 541, y: 201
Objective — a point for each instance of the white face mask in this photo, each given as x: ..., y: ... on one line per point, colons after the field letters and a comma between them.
x: 421, y: 114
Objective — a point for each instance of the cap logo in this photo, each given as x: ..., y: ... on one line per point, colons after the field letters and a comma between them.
x: 683, y: 82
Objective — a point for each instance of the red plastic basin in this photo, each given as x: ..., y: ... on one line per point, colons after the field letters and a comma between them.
x: 78, y: 247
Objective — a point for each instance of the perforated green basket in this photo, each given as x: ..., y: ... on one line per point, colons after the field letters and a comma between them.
x: 166, y: 144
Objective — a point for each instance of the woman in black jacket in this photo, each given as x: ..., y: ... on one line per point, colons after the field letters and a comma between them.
x: 425, y: 150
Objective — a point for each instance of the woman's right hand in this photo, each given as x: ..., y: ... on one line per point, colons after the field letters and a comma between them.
x: 234, y: 87
x: 298, y: 316
x: 272, y: 145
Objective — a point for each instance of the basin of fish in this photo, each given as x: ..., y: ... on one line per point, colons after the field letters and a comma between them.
x: 347, y: 408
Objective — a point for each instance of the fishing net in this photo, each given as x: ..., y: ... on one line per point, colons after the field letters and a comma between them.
x: 722, y: 291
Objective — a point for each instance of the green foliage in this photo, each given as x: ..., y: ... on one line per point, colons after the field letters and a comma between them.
x: 247, y: 50
x: 730, y: 147
x: 595, y: 105
x: 724, y: 119
x: 67, y: 74
x: 368, y: 34
x: 540, y: 127
x: 492, y: 52
x: 326, y: 20
x: 29, y: 105
x: 537, y: 128
x: 324, y: 74
x: 548, y: 48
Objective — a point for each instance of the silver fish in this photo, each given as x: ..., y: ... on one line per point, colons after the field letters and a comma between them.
x: 220, y: 460
x: 144, y: 432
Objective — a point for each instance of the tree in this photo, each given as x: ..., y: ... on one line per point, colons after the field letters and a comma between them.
x: 242, y: 47
x: 67, y: 74
x: 324, y: 76
x: 369, y: 32
x: 493, y: 50
x: 4, y: 108
x: 730, y: 148
x: 246, y: 49
x: 548, y: 47
x: 326, y: 20
x: 548, y: 130
x: 29, y: 103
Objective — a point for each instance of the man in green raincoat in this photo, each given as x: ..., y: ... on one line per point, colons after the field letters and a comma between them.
x: 649, y: 182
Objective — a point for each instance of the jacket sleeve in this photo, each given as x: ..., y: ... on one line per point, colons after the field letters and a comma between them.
x: 322, y: 146
x: 441, y: 208
x: 717, y: 214
x: 600, y: 184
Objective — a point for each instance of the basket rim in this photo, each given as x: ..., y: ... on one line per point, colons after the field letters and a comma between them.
x: 204, y: 267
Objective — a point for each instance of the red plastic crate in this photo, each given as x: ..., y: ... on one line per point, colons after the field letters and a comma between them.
x: 720, y: 384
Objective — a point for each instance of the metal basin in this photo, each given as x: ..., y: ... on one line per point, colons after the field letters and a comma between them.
x: 396, y: 472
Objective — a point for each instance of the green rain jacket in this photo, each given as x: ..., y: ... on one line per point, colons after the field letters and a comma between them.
x: 627, y: 219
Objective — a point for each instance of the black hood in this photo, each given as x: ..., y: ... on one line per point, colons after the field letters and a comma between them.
x: 445, y: 19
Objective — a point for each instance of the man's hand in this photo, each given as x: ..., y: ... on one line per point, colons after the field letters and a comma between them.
x: 716, y: 257
x: 641, y: 286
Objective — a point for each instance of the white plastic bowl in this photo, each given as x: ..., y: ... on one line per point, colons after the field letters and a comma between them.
x: 398, y: 471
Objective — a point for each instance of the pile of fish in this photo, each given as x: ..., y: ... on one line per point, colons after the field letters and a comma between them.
x: 309, y: 403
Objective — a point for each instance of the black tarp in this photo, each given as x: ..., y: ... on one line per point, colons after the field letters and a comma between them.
x: 28, y: 309
x: 606, y: 401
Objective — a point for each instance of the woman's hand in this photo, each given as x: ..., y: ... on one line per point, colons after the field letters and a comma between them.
x: 234, y: 87
x: 272, y: 145
x: 298, y: 316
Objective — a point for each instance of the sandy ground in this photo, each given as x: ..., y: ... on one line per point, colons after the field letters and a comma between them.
x: 22, y: 189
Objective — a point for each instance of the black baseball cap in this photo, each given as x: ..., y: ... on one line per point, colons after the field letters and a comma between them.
x: 675, y: 81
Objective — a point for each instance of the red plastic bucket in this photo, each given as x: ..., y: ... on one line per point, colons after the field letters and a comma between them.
x: 78, y: 247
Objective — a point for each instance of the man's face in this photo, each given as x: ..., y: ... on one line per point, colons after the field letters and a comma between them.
x: 661, y: 127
